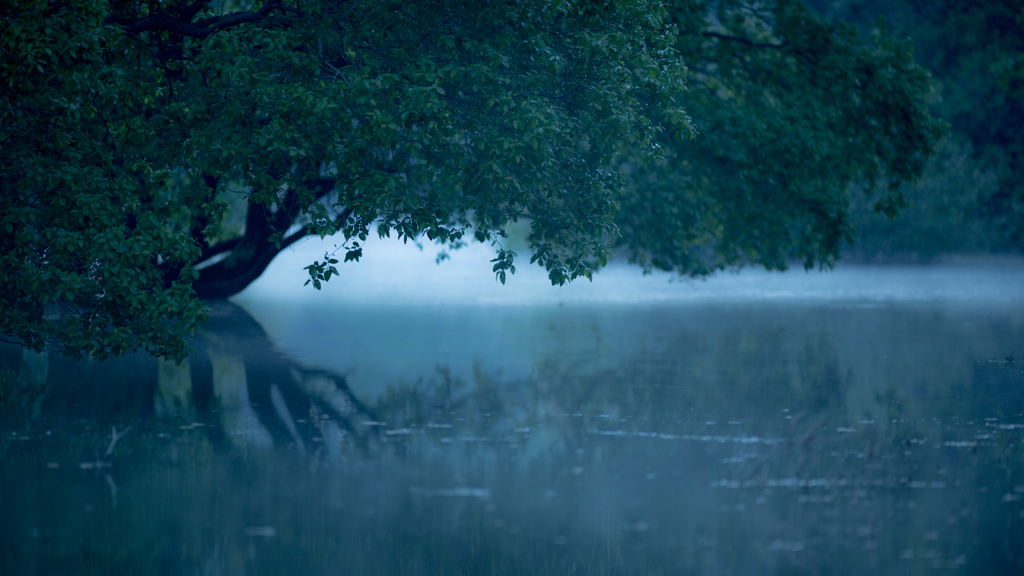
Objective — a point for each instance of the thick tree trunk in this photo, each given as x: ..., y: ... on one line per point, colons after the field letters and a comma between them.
x: 233, y: 274
x: 249, y: 256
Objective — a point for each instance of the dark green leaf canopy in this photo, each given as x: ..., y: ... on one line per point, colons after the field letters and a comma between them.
x: 157, y: 152
x: 125, y: 124
x: 792, y: 111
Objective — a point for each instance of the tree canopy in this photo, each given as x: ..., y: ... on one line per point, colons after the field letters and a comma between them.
x: 792, y: 111
x: 971, y: 198
x: 130, y: 129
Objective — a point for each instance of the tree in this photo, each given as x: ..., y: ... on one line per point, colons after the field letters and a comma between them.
x: 975, y: 50
x: 126, y: 125
x: 129, y: 128
x: 794, y: 112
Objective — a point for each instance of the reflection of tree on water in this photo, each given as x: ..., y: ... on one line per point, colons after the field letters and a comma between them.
x: 251, y: 393
x: 261, y: 397
x: 824, y: 466
x: 703, y: 442
x: 748, y: 376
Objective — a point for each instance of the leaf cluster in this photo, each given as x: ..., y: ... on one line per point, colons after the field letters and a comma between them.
x: 88, y: 261
x: 793, y: 111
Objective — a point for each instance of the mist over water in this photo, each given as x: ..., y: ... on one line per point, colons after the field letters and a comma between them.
x: 398, y: 314
x: 392, y: 273
x: 415, y: 418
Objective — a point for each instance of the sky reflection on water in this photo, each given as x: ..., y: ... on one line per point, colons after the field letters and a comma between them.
x: 703, y: 430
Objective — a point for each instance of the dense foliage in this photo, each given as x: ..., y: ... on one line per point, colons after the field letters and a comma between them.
x: 157, y: 152
x: 792, y: 111
x: 125, y: 123
x: 974, y: 202
x: 84, y: 208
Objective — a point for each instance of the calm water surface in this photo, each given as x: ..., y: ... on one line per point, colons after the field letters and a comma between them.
x: 868, y: 426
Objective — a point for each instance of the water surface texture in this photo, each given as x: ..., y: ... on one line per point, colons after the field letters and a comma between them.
x: 866, y: 421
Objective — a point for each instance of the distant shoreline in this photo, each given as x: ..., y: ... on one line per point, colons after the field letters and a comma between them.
x: 996, y: 260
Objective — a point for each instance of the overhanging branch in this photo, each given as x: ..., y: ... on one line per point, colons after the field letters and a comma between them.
x: 231, y: 275
x: 182, y: 24
x: 218, y: 248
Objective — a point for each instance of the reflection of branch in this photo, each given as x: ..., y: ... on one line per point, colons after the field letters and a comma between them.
x: 101, y: 463
x: 114, y: 437
x: 321, y: 400
x: 113, y: 490
x: 104, y: 462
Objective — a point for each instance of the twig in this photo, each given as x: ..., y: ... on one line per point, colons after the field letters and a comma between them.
x: 114, y: 437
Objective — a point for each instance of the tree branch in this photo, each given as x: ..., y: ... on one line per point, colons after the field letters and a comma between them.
x: 218, y: 248
x: 183, y: 25
x: 189, y: 12
x: 231, y: 275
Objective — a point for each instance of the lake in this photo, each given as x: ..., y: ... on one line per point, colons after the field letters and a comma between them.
x: 422, y: 419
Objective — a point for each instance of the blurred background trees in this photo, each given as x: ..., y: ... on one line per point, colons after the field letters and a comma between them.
x: 971, y: 197
x: 797, y: 115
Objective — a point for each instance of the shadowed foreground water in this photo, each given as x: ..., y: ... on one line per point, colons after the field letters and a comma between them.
x: 843, y: 436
